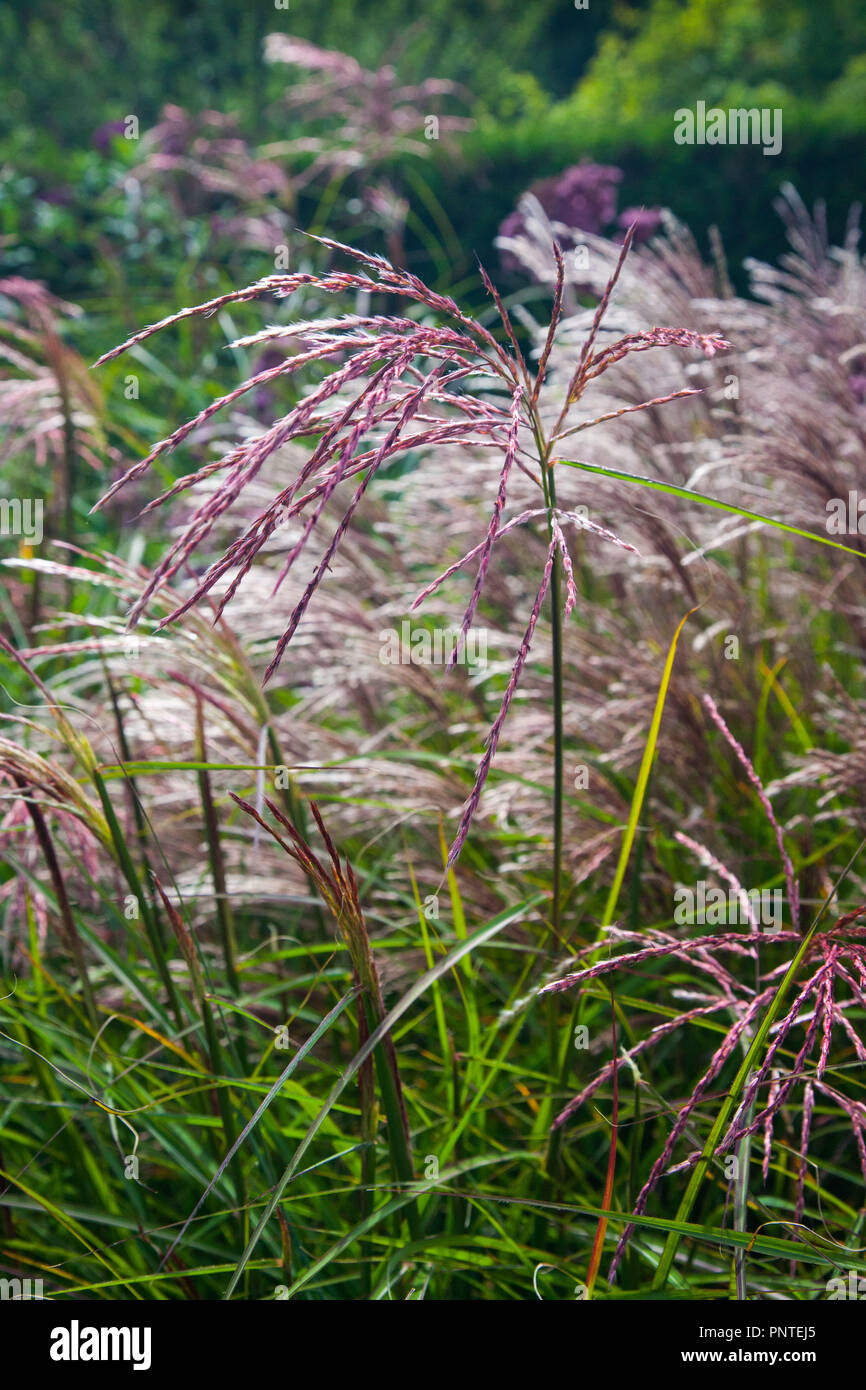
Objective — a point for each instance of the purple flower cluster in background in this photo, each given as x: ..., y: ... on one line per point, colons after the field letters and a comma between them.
x: 857, y: 382
x: 584, y: 197
x: 104, y: 134
x: 646, y: 222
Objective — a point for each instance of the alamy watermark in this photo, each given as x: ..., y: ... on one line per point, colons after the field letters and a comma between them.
x: 77, y: 1343
x: 421, y: 646
x: 840, y: 1288
x: 846, y: 517
x: 738, y: 126
x: 22, y: 516
x: 18, y: 1289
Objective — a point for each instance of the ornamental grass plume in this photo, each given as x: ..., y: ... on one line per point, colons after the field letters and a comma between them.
x: 388, y: 386
x: 366, y: 117
x: 358, y: 125
x: 202, y: 160
x: 835, y: 985
x: 337, y: 886
x: 50, y: 409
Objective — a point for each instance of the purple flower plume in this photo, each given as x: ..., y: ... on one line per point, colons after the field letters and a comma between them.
x: 835, y: 984
x: 388, y: 385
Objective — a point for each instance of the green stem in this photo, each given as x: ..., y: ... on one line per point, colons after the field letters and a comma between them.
x: 64, y: 907
x: 554, y: 1139
x: 741, y: 1204
x: 558, y: 694
x: 222, y: 902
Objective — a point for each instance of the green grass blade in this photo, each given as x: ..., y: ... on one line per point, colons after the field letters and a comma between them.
x: 643, y: 776
x: 476, y: 939
x: 673, y: 491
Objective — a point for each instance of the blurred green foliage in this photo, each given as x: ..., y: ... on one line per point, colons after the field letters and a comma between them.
x: 550, y: 85
x: 70, y: 64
